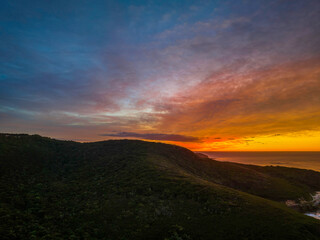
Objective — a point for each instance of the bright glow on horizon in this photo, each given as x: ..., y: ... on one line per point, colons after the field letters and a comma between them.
x: 226, y: 75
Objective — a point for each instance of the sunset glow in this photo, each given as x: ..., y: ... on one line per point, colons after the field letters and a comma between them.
x: 206, y: 75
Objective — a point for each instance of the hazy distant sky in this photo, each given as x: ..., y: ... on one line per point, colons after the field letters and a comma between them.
x: 208, y: 75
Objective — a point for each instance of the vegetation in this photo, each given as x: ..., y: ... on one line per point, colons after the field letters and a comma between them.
x: 130, y: 189
x: 272, y: 182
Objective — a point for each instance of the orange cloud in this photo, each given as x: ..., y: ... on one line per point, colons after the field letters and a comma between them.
x: 282, y: 99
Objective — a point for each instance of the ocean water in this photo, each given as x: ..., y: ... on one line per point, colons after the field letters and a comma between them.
x: 305, y: 160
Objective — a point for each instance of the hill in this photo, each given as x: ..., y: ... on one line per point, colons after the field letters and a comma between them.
x: 130, y: 189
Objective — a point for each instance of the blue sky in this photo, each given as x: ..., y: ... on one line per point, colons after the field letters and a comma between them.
x: 82, y: 69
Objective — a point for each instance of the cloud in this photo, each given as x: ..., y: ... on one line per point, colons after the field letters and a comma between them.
x: 281, y: 99
x: 154, y: 136
x: 228, y: 70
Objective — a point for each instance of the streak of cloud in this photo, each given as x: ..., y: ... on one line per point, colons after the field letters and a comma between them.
x: 154, y: 136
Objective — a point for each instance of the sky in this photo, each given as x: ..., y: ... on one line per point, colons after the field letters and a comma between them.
x: 206, y: 75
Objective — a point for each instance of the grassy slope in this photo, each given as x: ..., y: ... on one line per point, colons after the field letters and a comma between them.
x: 134, y: 190
x: 276, y: 183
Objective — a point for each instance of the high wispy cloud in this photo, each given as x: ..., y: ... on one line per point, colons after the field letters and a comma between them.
x: 219, y: 71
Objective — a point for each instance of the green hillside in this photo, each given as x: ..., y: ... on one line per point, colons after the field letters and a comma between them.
x: 130, y: 189
x: 272, y: 182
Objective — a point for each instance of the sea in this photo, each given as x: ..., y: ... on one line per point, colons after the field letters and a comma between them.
x: 304, y: 160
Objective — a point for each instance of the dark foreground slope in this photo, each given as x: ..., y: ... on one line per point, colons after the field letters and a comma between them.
x: 134, y: 190
x: 272, y: 182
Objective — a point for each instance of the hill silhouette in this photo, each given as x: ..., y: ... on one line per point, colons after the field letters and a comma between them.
x: 129, y: 189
